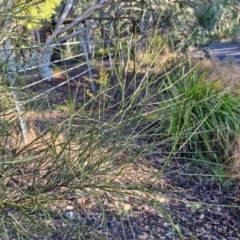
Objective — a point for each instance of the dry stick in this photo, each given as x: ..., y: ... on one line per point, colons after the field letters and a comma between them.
x: 88, y: 63
x: 23, y: 229
x: 127, y: 61
x: 124, y: 70
x: 11, y: 72
x: 22, y: 121
x: 109, y: 55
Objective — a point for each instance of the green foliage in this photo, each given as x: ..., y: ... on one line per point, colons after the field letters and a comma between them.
x: 199, y: 23
x: 36, y: 12
x: 206, y: 16
x: 200, y: 115
x: 159, y: 44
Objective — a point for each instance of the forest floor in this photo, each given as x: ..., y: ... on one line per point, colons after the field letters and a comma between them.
x: 201, y: 204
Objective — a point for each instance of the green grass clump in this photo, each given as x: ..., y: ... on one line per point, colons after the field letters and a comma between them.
x: 201, y: 116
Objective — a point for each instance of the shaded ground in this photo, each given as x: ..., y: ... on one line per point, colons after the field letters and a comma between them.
x: 200, y: 206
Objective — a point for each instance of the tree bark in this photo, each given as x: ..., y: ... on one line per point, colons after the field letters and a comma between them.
x: 46, y: 52
x: 11, y: 71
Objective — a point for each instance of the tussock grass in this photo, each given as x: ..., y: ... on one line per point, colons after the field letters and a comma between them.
x: 201, y: 115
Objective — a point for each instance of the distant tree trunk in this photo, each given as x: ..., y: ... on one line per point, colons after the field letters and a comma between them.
x: 54, y: 39
x: 44, y: 63
x: 11, y: 72
x: 44, y: 58
x: 86, y: 38
x: 56, y: 55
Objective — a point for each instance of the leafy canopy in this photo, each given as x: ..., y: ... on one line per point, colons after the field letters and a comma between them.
x: 36, y: 12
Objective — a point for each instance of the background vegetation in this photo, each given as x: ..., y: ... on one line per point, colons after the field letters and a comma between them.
x: 90, y: 93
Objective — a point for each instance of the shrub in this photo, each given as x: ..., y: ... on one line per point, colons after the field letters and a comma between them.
x: 200, y: 115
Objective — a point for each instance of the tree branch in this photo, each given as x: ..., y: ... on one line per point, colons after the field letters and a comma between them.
x: 190, y: 4
x: 63, y: 15
x: 71, y: 35
x: 84, y: 16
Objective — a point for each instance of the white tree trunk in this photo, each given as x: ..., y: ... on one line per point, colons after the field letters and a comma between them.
x: 44, y: 57
x: 45, y: 70
x: 11, y: 68
x: 46, y: 53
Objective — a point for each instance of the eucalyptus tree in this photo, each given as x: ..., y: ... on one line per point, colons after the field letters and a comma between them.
x: 183, y: 22
x: 57, y: 35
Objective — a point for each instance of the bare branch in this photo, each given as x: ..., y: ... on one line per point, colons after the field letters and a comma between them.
x: 76, y: 33
x: 189, y: 3
x: 63, y: 15
x: 84, y: 16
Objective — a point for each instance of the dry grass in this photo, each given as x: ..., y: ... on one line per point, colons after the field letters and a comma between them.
x: 227, y: 72
x: 155, y: 60
x: 234, y: 161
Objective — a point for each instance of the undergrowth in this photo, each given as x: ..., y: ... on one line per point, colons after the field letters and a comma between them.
x: 201, y: 116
